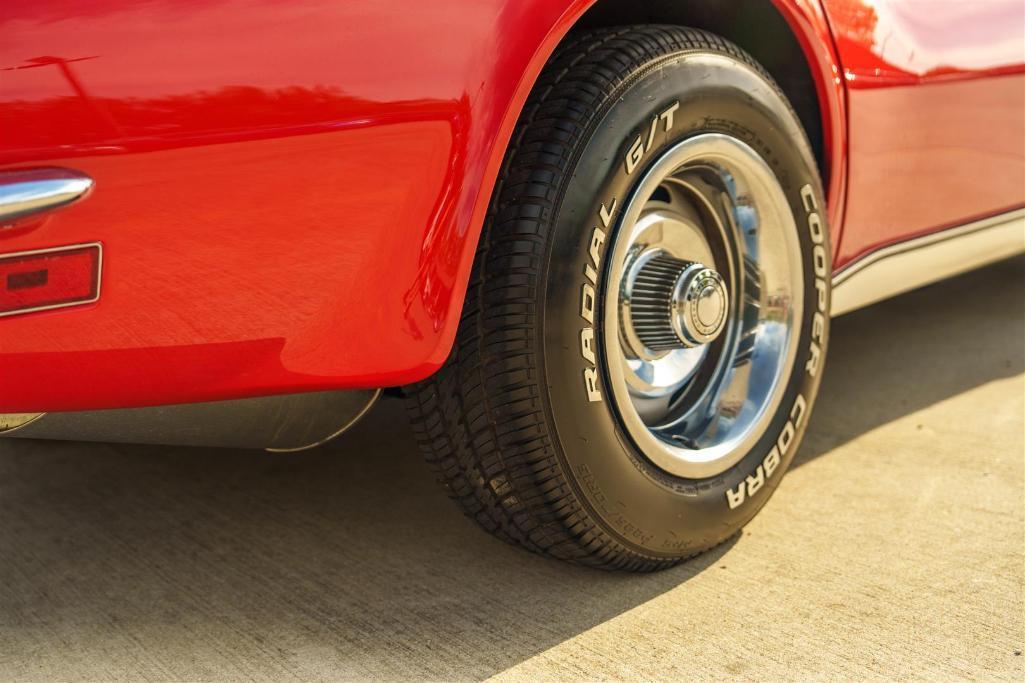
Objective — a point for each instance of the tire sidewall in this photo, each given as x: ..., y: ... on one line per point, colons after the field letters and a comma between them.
x: 642, y: 506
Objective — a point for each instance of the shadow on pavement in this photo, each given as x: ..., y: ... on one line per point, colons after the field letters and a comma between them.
x: 178, y: 561
x: 348, y: 560
x: 905, y: 354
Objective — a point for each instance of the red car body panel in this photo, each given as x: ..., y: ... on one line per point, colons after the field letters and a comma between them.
x: 289, y: 192
x: 935, y: 95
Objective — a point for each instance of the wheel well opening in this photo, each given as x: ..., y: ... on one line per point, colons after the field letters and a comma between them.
x: 755, y: 26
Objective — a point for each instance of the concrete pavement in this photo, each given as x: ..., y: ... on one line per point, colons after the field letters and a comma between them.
x: 894, y: 548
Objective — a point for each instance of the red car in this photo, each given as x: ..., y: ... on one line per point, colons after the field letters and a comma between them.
x: 595, y: 244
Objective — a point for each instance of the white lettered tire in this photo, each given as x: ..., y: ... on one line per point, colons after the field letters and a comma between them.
x: 576, y: 418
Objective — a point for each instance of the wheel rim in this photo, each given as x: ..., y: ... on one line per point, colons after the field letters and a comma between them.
x: 702, y: 305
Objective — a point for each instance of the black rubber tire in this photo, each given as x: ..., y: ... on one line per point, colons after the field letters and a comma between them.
x: 506, y: 422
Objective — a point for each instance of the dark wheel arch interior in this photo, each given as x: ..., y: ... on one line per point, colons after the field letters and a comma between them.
x: 754, y: 25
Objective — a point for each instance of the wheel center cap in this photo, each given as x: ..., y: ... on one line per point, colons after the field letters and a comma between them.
x: 700, y: 304
x: 710, y: 306
x: 675, y: 304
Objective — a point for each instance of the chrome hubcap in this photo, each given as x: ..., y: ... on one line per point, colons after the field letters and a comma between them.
x: 702, y: 305
x: 674, y: 304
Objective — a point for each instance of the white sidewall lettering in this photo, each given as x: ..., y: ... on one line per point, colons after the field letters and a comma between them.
x: 820, y: 262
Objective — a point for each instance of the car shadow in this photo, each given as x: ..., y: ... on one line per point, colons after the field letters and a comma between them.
x: 348, y: 560
x: 905, y: 354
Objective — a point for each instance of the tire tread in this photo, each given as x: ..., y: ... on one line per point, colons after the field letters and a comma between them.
x: 480, y: 421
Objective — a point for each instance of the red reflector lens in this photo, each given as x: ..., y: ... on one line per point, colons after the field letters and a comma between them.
x: 49, y: 278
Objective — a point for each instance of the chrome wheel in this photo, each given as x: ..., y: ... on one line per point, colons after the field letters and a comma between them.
x: 702, y: 305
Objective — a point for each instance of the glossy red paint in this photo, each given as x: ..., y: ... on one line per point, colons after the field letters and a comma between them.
x: 289, y: 192
x: 936, y: 106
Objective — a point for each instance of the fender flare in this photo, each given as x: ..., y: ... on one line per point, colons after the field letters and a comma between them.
x: 448, y: 251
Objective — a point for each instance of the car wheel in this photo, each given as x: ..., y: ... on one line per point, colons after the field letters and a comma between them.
x: 646, y: 321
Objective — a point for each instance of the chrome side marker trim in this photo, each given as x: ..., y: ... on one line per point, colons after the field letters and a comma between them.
x: 921, y: 261
x: 41, y: 256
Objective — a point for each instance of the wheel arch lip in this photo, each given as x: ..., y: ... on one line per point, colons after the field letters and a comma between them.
x: 487, y: 146
x: 809, y: 24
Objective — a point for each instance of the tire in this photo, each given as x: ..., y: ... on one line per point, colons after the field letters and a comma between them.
x: 526, y: 425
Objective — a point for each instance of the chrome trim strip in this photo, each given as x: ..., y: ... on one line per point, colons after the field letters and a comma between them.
x: 28, y: 191
x: 917, y: 262
x: 82, y: 302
